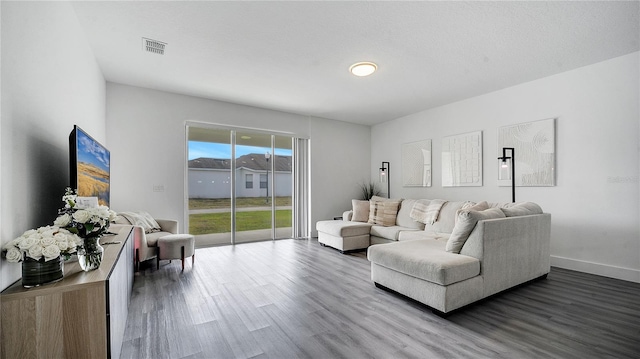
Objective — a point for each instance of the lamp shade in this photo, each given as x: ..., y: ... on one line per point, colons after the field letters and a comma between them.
x: 504, y: 169
x: 383, y: 175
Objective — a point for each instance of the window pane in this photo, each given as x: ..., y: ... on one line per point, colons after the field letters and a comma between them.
x: 209, y: 176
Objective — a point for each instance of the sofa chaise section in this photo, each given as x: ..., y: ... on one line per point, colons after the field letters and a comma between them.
x: 344, y: 235
x: 507, y: 251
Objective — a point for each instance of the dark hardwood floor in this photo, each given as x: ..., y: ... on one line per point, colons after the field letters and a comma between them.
x: 296, y: 299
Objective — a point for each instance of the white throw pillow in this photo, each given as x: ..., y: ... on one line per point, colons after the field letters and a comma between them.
x: 467, y: 220
x: 360, y: 210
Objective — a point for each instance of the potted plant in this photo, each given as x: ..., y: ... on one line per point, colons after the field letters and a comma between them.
x: 368, y: 190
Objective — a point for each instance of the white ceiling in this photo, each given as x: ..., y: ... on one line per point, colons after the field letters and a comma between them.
x: 294, y: 56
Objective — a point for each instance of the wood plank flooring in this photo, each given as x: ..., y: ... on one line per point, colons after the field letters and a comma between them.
x: 296, y: 299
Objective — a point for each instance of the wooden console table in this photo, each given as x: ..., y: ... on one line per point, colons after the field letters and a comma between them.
x: 82, y: 316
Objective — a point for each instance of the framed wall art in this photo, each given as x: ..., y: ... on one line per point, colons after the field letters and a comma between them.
x: 462, y: 160
x: 416, y: 164
x: 534, y: 147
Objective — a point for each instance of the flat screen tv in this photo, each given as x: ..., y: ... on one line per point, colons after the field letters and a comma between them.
x: 89, y: 162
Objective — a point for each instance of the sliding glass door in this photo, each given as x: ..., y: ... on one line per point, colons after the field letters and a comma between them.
x: 253, y: 212
x: 209, y: 185
x: 240, y: 185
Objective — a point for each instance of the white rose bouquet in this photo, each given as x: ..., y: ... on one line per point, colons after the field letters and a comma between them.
x: 42, y: 244
x: 86, y: 222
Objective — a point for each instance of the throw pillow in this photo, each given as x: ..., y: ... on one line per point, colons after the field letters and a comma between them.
x: 360, y: 210
x: 522, y: 209
x: 142, y: 219
x: 480, y: 206
x: 383, y: 212
x: 468, y: 204
x: 467, y: 220
x: 151, y: 223
x: 419, y: 210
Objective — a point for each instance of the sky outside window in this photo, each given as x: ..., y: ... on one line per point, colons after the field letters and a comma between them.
x: 199, y: 149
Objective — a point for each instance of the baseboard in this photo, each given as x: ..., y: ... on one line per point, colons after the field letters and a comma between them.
x: 628, y: 274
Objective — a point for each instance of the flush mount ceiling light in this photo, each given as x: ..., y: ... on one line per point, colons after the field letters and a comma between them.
x: 363, y: 68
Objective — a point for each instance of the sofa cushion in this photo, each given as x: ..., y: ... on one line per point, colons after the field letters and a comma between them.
x: 343, y: 228
x: 383, y: 212
x: 467, y: 220
x: 522, y: 209
x: 152, y: 238
x: 412, y: 235
x: 446, y: 219
x: 404, y: 215
x: 391, y: 232
x: 360, y: 210
x: 425, y: 259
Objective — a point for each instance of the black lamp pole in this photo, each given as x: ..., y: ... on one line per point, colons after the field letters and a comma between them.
x: 504, y: 159
x: 384, y: 171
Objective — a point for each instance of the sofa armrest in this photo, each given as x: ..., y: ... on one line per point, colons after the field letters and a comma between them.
x: 511, y: 250
x: 347, y: 215
x: 168, y: 225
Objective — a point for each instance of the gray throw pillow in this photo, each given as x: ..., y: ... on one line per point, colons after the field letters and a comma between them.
x: 522, y: 209
x: 467, y: 220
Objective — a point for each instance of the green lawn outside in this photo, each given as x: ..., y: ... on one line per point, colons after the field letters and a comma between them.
x: 210, y: 203
x: 206, y: 223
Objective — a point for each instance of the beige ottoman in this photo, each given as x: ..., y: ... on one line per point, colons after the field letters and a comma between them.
x: 176, y: 246
x: 344, y: 235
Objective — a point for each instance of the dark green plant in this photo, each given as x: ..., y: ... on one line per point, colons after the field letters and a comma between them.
x: 369, y: 190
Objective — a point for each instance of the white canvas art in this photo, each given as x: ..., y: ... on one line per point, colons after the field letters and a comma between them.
x: 462, y: 160
x: 416, y: 164
x: 534, y: 145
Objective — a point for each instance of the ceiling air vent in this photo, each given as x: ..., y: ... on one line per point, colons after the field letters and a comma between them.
x: 154, y: 46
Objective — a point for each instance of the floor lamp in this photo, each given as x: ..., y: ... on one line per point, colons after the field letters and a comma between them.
x: 503, y: 174
x: 384, y: 176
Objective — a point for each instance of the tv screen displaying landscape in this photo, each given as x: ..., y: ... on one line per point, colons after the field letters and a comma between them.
x: 90, y: 163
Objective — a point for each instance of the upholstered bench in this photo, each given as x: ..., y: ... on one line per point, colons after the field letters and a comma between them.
x: 344, y: 235
x: 176, y: 246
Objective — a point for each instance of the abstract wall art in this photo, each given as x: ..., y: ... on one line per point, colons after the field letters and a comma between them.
x: 535, y: 146
x: 416, y: 164
x: 462, y: 160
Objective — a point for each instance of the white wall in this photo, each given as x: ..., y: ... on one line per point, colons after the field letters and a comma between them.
x: 594, y: 206
x: 50, y: 81
x: 147, y: 130
x: 340, y: 161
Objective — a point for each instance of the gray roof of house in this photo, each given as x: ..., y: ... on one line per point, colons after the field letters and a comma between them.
x: 254, y: 161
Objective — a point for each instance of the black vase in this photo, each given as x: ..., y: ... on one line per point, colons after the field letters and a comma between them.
x: 36, y: 273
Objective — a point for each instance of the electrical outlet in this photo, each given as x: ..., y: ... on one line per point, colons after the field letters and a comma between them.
x: 158, y: 188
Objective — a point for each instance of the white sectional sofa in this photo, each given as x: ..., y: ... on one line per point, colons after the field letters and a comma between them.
x: 469, y: 252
